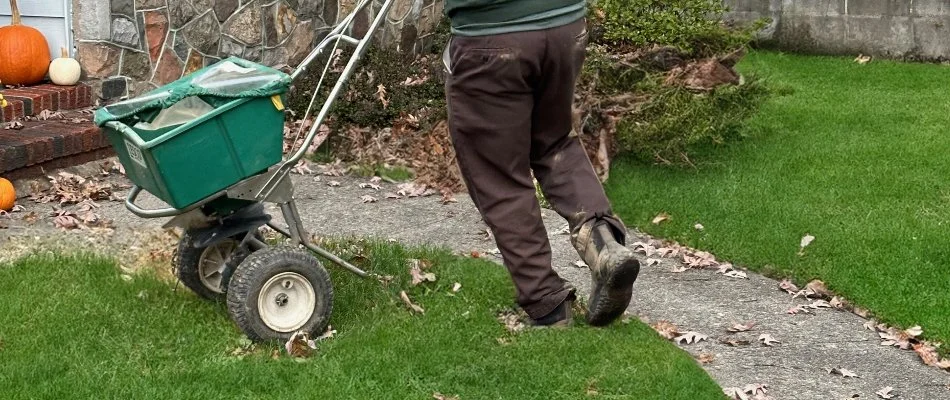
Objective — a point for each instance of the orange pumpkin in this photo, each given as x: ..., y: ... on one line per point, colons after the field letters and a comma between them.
x: 24, y: 52
x: 7, y: 195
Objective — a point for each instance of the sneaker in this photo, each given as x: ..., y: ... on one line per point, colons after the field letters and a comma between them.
x: 613, y: 269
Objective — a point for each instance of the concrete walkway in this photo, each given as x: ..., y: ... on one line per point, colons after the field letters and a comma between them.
x: 702, y: 301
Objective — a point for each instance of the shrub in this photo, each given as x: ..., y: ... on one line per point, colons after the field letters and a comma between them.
x: 694, y: 26
x: 676, y: 121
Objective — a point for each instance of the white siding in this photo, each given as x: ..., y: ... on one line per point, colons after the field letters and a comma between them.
x: 48, y: 16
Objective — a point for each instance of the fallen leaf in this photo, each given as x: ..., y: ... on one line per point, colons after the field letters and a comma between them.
x: 302, y: 169
x: 788, y: 286
x: 392, y: 196
x: 818, y: 304
x: 838, y: 303
x: 415, y: 270
x: 17, y: 208
x: 799, y: 309
x: 370, y: 186
x: 513, y: 322
x: 861, y: 312
x: 440, y: 396
x: 411, y: 190
x: 706, y: 358
x: 667, y: 252
x: 66, y: 222
x: 768, y: 340
x: 862, y: 59
x: 31, y: 217
x: 749, y: 392
x: 666, y: 329
x: 895, y: 338
x: 300, y: 345
x: 690, y: 338
x: 699, y: 227
x: 806, y: 240
x: 580, y: 264
x: 914, y: 331
x: 735, y: 393
x: 680, y: 269
x: 381, y: 95
x: 652, y: 262
x: 245, y: 347
x: 646, y: 249
x: 375, y: 179
x: 815, y: 289
x: 736, y: 342
x: 448, y: 197
x: 660, y: 218
x: 736, y: 274
x: 409, y: 303
x: 843, y: 372
x: 741, y: 327
x: 368, y: 199
x: 14, y: 125
x: 475, y: 254
x: 456, y: 287
x: 333, y: 184
x: 885, y: 393
x: 928, y: 354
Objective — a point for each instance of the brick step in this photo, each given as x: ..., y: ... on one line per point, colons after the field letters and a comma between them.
x: 54, y: 140
x: 31, y: 100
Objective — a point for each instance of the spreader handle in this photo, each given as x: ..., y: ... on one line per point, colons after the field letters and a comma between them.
x: 141, y: 212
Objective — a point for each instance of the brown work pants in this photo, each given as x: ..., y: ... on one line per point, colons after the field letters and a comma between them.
x: 510, y: 102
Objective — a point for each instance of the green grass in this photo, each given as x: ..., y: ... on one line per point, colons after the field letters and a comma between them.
x: 70, y: 327
x: 855, y: 155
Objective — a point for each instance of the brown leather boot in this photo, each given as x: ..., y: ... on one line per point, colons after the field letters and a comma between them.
x: 613, y: 270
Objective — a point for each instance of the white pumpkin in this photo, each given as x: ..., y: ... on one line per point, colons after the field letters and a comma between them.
x: 65, y: 71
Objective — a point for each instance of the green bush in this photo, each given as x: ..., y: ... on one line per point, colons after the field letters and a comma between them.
x: 694, y: 26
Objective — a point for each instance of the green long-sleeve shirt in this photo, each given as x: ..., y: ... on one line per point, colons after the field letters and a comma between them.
x: 490, y: 17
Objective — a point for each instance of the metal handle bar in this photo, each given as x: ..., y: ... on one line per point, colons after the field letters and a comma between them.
x: 126, y: 131
x: 144, y: 213
x: 361, y: 46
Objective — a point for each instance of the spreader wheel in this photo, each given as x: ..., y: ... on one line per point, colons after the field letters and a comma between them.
x: 204, y: 269
x: 276, y: 292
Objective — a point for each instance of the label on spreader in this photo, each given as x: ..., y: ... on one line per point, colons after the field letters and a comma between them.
x: 135, y: 154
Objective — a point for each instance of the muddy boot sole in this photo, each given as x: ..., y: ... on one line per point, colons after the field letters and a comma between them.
x: 612, y: 295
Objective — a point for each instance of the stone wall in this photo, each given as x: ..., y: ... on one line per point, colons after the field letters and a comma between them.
x: 910, y: 29
x: 127, y: 47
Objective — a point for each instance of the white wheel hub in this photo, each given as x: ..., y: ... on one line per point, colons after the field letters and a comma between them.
x: 286, y: 302
x: 212, y: 263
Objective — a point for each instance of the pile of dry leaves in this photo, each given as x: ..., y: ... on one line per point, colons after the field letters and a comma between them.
x: 75, y: 198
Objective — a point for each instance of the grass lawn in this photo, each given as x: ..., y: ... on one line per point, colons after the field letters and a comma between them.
x: 856, y: 155
x: 70, y: 327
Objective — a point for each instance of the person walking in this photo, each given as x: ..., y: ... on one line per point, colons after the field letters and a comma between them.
x: 512, y: 66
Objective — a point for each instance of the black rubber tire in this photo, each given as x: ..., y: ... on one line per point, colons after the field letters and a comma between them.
x: 249, y: 278
x: 186, y: 268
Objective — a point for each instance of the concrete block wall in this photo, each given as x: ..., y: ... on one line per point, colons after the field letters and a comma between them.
x: 907, y: 29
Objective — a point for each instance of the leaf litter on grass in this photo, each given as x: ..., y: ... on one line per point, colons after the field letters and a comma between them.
x: 415, y: 308
x: 417, y: 270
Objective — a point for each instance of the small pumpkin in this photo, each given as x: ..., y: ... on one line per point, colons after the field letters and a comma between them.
x: 24, y: 52
x: 65, y: 71
x: 7, y: 195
